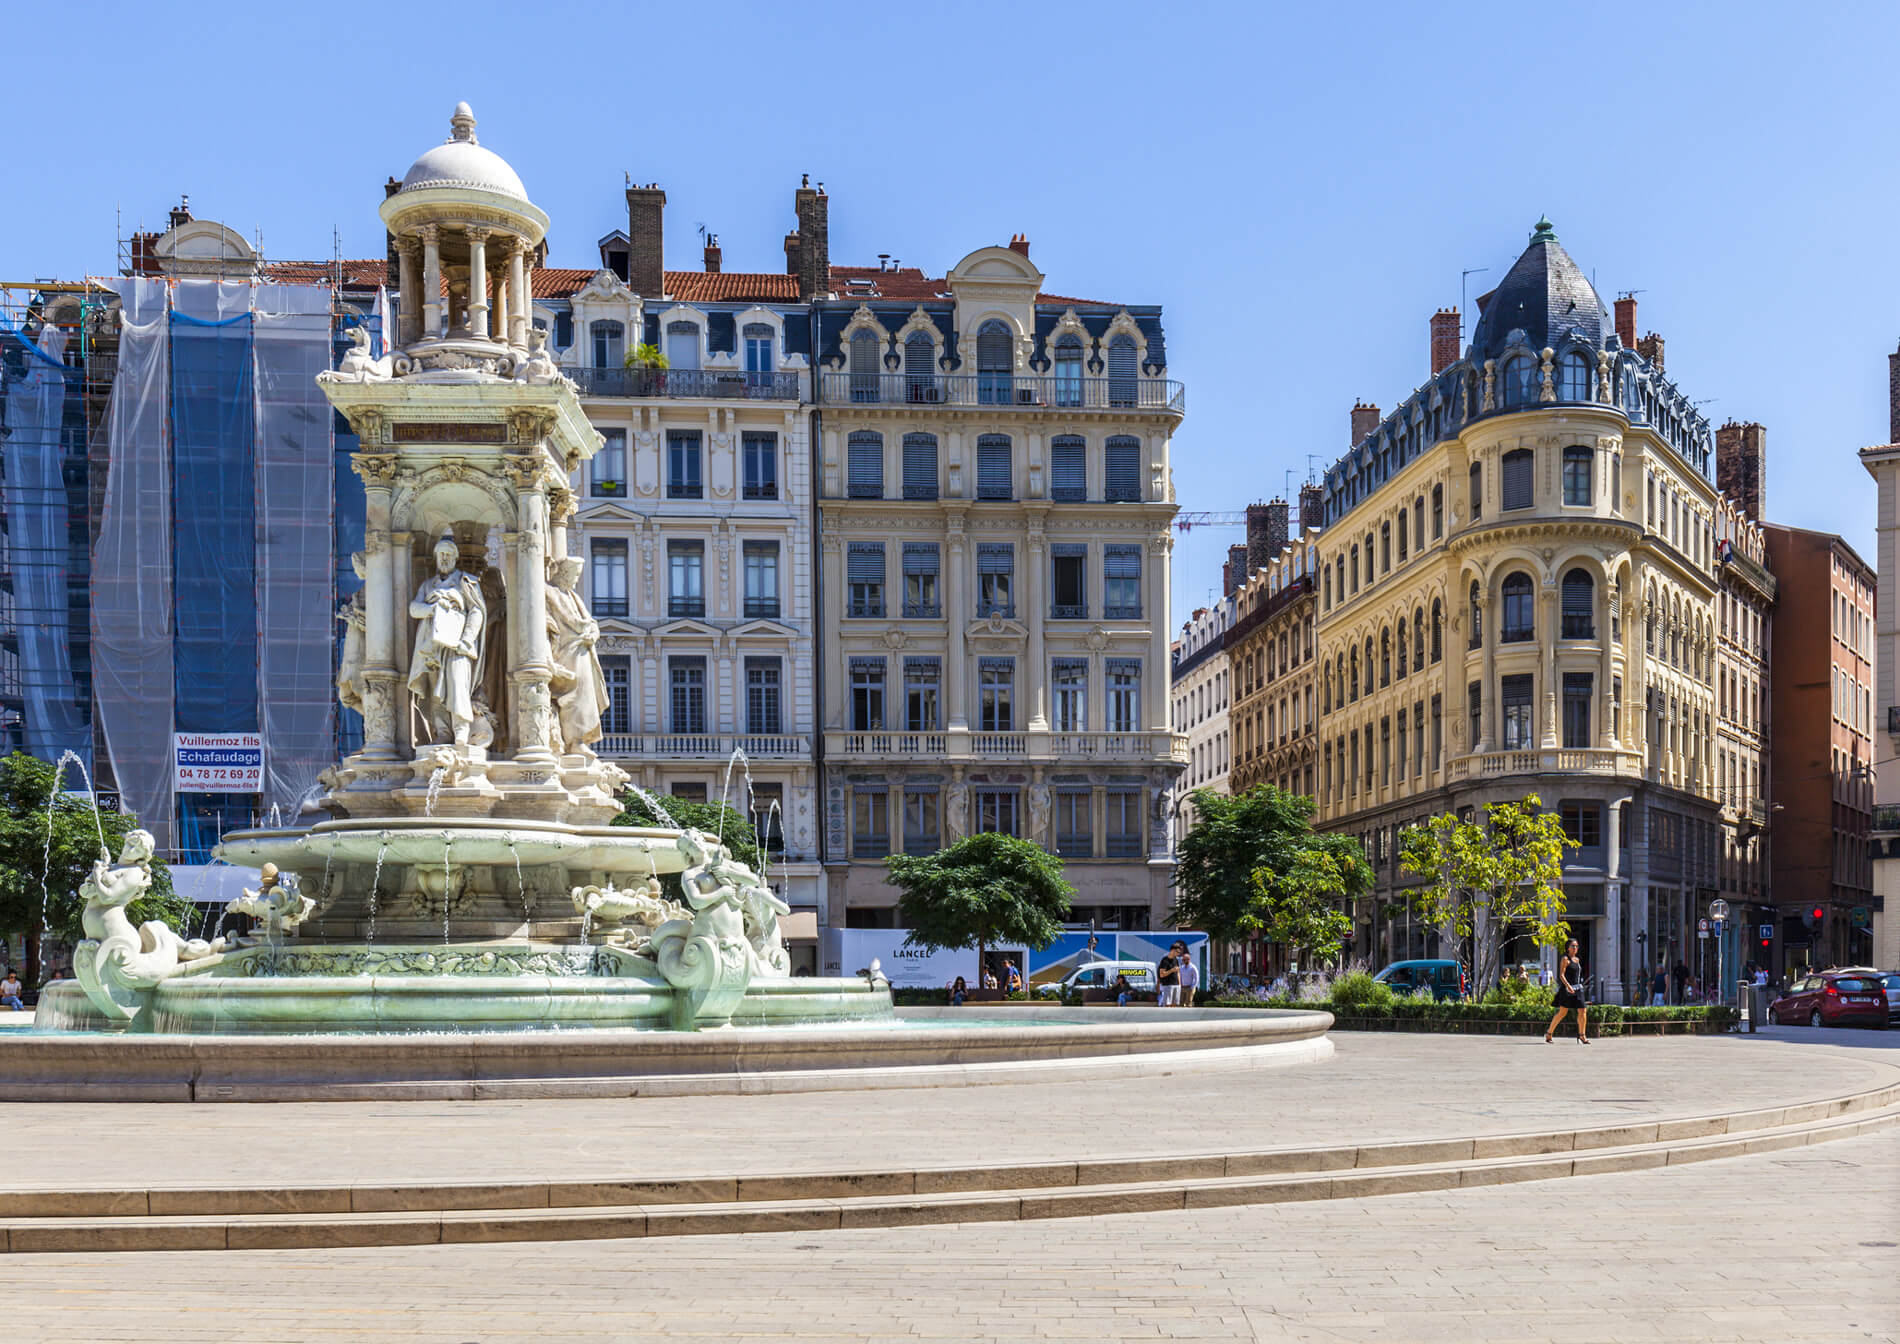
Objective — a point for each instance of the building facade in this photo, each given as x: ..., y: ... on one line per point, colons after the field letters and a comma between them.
x: 1201, y: 690
x: 1517, y: 583
x: 1744, y: 607
x: 1272, y: 654
x: 1882, y: 462
x: 1823, y: 774
x: 994, y: 506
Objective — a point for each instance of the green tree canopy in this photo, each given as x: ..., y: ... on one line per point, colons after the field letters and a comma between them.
x: 26, y: 787
x: 984, y: 890
x: 1253, y: 867
x: 1480, y: 878
x: 716, y: 819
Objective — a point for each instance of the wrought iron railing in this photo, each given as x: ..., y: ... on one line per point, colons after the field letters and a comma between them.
x: 715, y: 384
x: 1002, y: 389
x: 713, y: 746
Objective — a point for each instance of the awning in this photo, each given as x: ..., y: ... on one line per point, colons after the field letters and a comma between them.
x: 799, y: 925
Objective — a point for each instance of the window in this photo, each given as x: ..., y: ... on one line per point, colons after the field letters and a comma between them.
x: 758, y: 354
x: 617, y: 715
x: 610, y: 344
x: 687, y: 682
x: 1075, y: 823
x: 761, y: 579
x: 683, y: 477
x: 1438, y: 512
x: 1071, y: 678
x: 867, y: 694
x: 1123, y: 383
x: 864, y: 465
x: 1438, y: 730
x: 1121, y: 459
x: 920, y: 580
x: 1418, y: 525
x: 1068, y: 365
x: 1418, y: 640
x: 1438, y: 631
x: 761, y: 466
x: 1401, y: 536
x: 1121, y: 818
x: 764, y: 709
x: 1578, y: 688
x: 922, y: 677
x: 995, y: 579
x: 864, y: 578
x: 563, y: 328
x: 768, y: 815
x: 920, y: 466
x: 1477, y: 491
x: 607, y: 473
x: 1582, y: 822
x: 1477, y: 616
x: 685, y: 578
x: 1517, y: 478
x: 1515, y: 697
x: 1518, y: 622
x: 692, y: 791
x: 996, y: 811
x: 920, y: 367
x: 1520, y: 381
x: 865, y: 365
x: 1573, y: 377
x: 1577, y: 476
x: 993, y: 467
x: 1121, y: 578
x: 1069, y: 592
x: 1124, y: 695
x: 1385, y: 547
x: 996, y: 693
x: 870, y: 823
x: 921, y: 833
x: 608, y: 565
x: 1474, y: 713
x: 1579, y: 599
x: 1068, y: 468
x: 995, y: 363
x: 1385, y: 657
x: 682, y: 345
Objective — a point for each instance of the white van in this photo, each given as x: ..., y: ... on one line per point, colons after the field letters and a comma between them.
x: 1140, y: 975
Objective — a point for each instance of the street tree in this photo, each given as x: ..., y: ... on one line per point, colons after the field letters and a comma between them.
x: 1252, y: 866
x: 728, y: 824
x: 1480, y: 878
x: 39, y: 883
x: 983, y: 891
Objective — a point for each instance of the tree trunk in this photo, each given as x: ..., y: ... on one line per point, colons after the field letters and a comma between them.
x: 32, y: 976
x: 979, y: 965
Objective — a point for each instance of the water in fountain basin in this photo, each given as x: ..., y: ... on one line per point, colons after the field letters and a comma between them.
x: 664, y: 817
x: 46, y: 865
x: 375, y: 887
x: 447, y: 840
x: 521, y: 886
x: 436, y: 776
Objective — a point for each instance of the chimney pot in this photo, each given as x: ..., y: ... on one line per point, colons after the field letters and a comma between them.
x: 1365, y: 419
x: 1741, y: 466
x: 1651, y: 349
x: 814, y: 246
x: 1626, y: 321
x: 712, y: 254
x: 1444, y: 340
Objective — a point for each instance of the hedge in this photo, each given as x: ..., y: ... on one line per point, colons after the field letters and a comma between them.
x: 1606, y: 1019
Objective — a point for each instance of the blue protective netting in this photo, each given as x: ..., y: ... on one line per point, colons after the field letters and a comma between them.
x: 214, y: 568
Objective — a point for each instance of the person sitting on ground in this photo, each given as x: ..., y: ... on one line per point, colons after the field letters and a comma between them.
x: 1124, y: 992
x: 10, y: 992
x: 959, y: 991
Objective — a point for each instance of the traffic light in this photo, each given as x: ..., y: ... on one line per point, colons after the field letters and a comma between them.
x: 1816, y: 918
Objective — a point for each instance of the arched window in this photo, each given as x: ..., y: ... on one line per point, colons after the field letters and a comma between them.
x: 1518, y: 617
x: 864, y: 365
x: 995, y: 363
x: 1385, y: 657
x: 1649, y: 622
x: 682, y: 345
x: 1520, y: 380
x: 1401, y: 536
x: 1339, y: 577
x: 1355, y: 568
x: 1477, y: 616
x: 1573, y: 377
x: 1123, y: 382
x: 920, y: 367
x: 1438, y: 512
x: 1418, y: 639
x: 1517, y: 479
x: 610, y: 344
x: 1369, y: 664
x: 1580, y: 601
x: 1418, y: 522
x: 1402, y: 649
x: 1326, y: 689
x: 1438, y: 630
x: 1068, y: 364
x: 1326, y: 587
x: 1577, y: 475
x: 1352, y: 682
x: 1477, y: 491
x: 1385, y: 547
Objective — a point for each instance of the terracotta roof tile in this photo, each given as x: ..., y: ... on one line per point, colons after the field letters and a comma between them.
x: 905, y: 283
x: 732, y: 286
x: 557, y: 282
x: 359, y: 273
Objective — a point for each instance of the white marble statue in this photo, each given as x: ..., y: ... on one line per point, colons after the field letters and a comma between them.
x: 578, y: 685
x: 446, y: 667
x: 357, y: 365
x: 1040, y: 807
x: 116, y: 963
x: 957, y: 810
x: 278, y: 901
x: 538, y: 368
x: 349, y: 671
x: 643, y: 905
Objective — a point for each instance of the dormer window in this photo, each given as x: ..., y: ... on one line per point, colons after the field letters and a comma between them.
x: 1068, y: 370
x: 1573, y: 377
x: 682, y: 345
x: 617, y: 262
x: 610, y: 344
x: 1520, y: 381
x: 995, y: 363
x: 758, y: 352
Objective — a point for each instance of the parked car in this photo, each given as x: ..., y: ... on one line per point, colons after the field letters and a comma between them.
x: 1102, y: 975
x: 1834, y: 999
x: 1445, y: 979
x: 1892, y: 981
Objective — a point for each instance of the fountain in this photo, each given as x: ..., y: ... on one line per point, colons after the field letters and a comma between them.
x: 481, y: 698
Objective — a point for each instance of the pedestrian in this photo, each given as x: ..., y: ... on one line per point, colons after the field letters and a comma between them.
x: 1659, y: 986
x: 1124, y: 992
x: 1680, y: 973
x: 959, y: 991
x: 10, y: 992
x: 989, y: 978
x: 1167, y: 979
x: 1012, y: 978
x: 1190, y: 978
x: 1569, y: 995
x: 1761, y: 977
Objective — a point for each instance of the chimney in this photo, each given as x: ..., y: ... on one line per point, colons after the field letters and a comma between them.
x: 814, y: 240
x: 1019, y: 242
x: 1310, y: 507
x: 1893, y: 396
x: 791, y: 252
x: 1365, y: 419
x: 1234, y: 572
x: 1444, y: 340
x: 1741, y: 466
x: 646, y: 255
x: 181, y: 213
x: 1651, y: 349
x: 712, y: 254
x: 1266, y: 532
x: 392, y: 264
x: 1626, y: 321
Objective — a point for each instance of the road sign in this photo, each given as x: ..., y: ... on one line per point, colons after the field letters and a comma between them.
x: 1862, y: 916
x: 1702, y: 933
x: 1766, y: 931
x: 1702, y: 928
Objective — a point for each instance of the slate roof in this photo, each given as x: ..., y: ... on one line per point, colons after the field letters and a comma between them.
x: 1546, y: 296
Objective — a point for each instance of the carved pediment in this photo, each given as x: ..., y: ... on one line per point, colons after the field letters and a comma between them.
x: 686, y: 629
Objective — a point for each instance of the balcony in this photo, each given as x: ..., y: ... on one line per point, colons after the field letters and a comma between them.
x: 980, y: 746
x: 1000, y: 390
x: 1887, y: 818
x: 1545, y: 761
x: 704, y: 746
x: 713, y: 384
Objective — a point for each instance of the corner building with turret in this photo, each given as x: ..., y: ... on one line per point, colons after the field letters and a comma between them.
x: 1517, y: 593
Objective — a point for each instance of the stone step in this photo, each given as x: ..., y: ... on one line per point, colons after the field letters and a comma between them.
x: 1183, y: 1190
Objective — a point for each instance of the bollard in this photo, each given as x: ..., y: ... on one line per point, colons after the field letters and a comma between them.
x: 1745, y: 998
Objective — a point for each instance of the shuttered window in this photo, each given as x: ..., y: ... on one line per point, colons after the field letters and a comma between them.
x: 864, y: 577
x: 1068, y: 467
x: 921, y: 564
x: 995, y: 579
x: 1517, y: 480
x: 920, y: 368
x: 1122, y: 477
x: 995, y: 363
x: 865, y: 465
x: 1121, y: 572
x: 992, y: 467
x: 920, y: 466
x: 864, y: 366
x: 1123, y: 382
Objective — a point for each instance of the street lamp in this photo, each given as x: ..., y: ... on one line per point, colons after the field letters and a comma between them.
x: 1718, y: 916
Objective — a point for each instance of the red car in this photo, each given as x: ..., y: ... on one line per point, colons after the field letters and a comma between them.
x: 1834, y: 999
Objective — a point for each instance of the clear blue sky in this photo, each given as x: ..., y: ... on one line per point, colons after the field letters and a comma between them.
x: 1299, y: 185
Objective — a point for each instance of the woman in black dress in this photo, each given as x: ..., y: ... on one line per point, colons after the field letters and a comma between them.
x: 1570, y: 994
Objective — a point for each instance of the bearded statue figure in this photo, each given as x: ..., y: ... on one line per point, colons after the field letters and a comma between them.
x: 578, y: 685
x: 446, y: 666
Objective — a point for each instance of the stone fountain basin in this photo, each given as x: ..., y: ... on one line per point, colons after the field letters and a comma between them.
x: 469, y: 841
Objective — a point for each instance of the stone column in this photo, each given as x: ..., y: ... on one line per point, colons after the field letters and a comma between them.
x: 498, y: 283
x: 520, y: 314
x: 530, y: 609
x: 477, y: 282
x: 1487, y: 727
x: 957, y: 616
x: 402, y: 587
x: 382, y: 683
x: 1154, y: 679
x: 1548, y: 737
x: 431, y: 281
x: 409, y: 327
x: 1035, y: 611
x: 1606, y: 674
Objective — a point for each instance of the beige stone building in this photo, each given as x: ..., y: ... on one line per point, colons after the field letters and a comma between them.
x: 1202, y: 691
x: 1744, y: 614
x: 1271, y: 650
x: 994, y: 507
